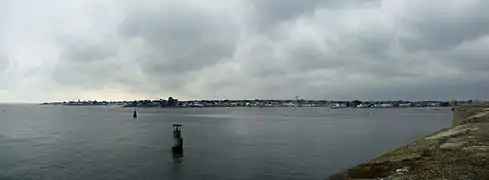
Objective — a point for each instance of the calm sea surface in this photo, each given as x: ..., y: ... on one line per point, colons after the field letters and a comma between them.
x: 54, y: 142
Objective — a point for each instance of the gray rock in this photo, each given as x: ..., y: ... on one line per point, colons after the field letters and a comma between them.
x: 453, y: 146
x: 475, y: 149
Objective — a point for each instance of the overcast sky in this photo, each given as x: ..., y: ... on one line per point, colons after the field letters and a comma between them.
x: 217, y: 49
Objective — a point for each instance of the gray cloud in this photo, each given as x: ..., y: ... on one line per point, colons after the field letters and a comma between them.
x: 353, y: 49
x: 449, y: 24
x: 81, y: 52
x: 84, y: 64
x: 173, y: 43
x: 470, y: 57
x: 267, y: 14
x: 4, y: 62
x: 181, y: 39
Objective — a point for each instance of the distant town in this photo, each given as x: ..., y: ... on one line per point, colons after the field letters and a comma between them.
x: 175, y: 103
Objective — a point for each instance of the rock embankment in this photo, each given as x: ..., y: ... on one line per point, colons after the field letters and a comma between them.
x: 458, y: 153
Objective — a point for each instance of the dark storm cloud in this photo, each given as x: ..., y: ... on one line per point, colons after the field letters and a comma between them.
x: 174, y: 41
x: 261, y: 61
x: 470, y: 57
x: 423, y: 42
x: 438, y: 25
x: 361, y: 51
x: 85, y: 64
x: 351, y: 49
x: 463, y: 90
x: 308, y: 56
x: 80, y: 51
x: 269, y: 13
x: 180, y: 40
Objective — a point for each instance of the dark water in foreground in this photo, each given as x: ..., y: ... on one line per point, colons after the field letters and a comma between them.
x: 46, y: 142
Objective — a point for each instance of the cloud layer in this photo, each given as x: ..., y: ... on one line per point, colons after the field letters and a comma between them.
x: 316, y: 49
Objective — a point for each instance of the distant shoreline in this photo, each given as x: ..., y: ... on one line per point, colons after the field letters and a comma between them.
x: 174, y: 103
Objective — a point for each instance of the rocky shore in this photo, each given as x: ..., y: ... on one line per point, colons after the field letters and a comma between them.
x: 460, y: 152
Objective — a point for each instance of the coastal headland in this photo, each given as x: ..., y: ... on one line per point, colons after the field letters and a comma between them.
x: 459, y: 152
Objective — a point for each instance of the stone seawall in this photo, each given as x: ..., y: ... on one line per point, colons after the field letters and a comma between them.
x: 458, y: 153
x: 462, y: 112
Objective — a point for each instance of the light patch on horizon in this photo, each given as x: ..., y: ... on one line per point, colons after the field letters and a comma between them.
x: 218, y: 49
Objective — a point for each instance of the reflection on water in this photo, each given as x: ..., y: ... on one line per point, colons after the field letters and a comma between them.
x: 177, y: 156
x: 47, y: 142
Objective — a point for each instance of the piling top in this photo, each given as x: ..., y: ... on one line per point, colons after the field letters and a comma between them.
x: 177, y: 127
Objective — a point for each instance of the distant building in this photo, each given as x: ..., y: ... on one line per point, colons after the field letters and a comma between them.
x: 171, y: 102
x: 405, y: 105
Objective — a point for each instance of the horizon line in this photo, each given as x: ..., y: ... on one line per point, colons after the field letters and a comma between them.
x: 252, y: 99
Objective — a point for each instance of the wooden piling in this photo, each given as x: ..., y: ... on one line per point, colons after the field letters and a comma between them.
x: 178, y: 140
